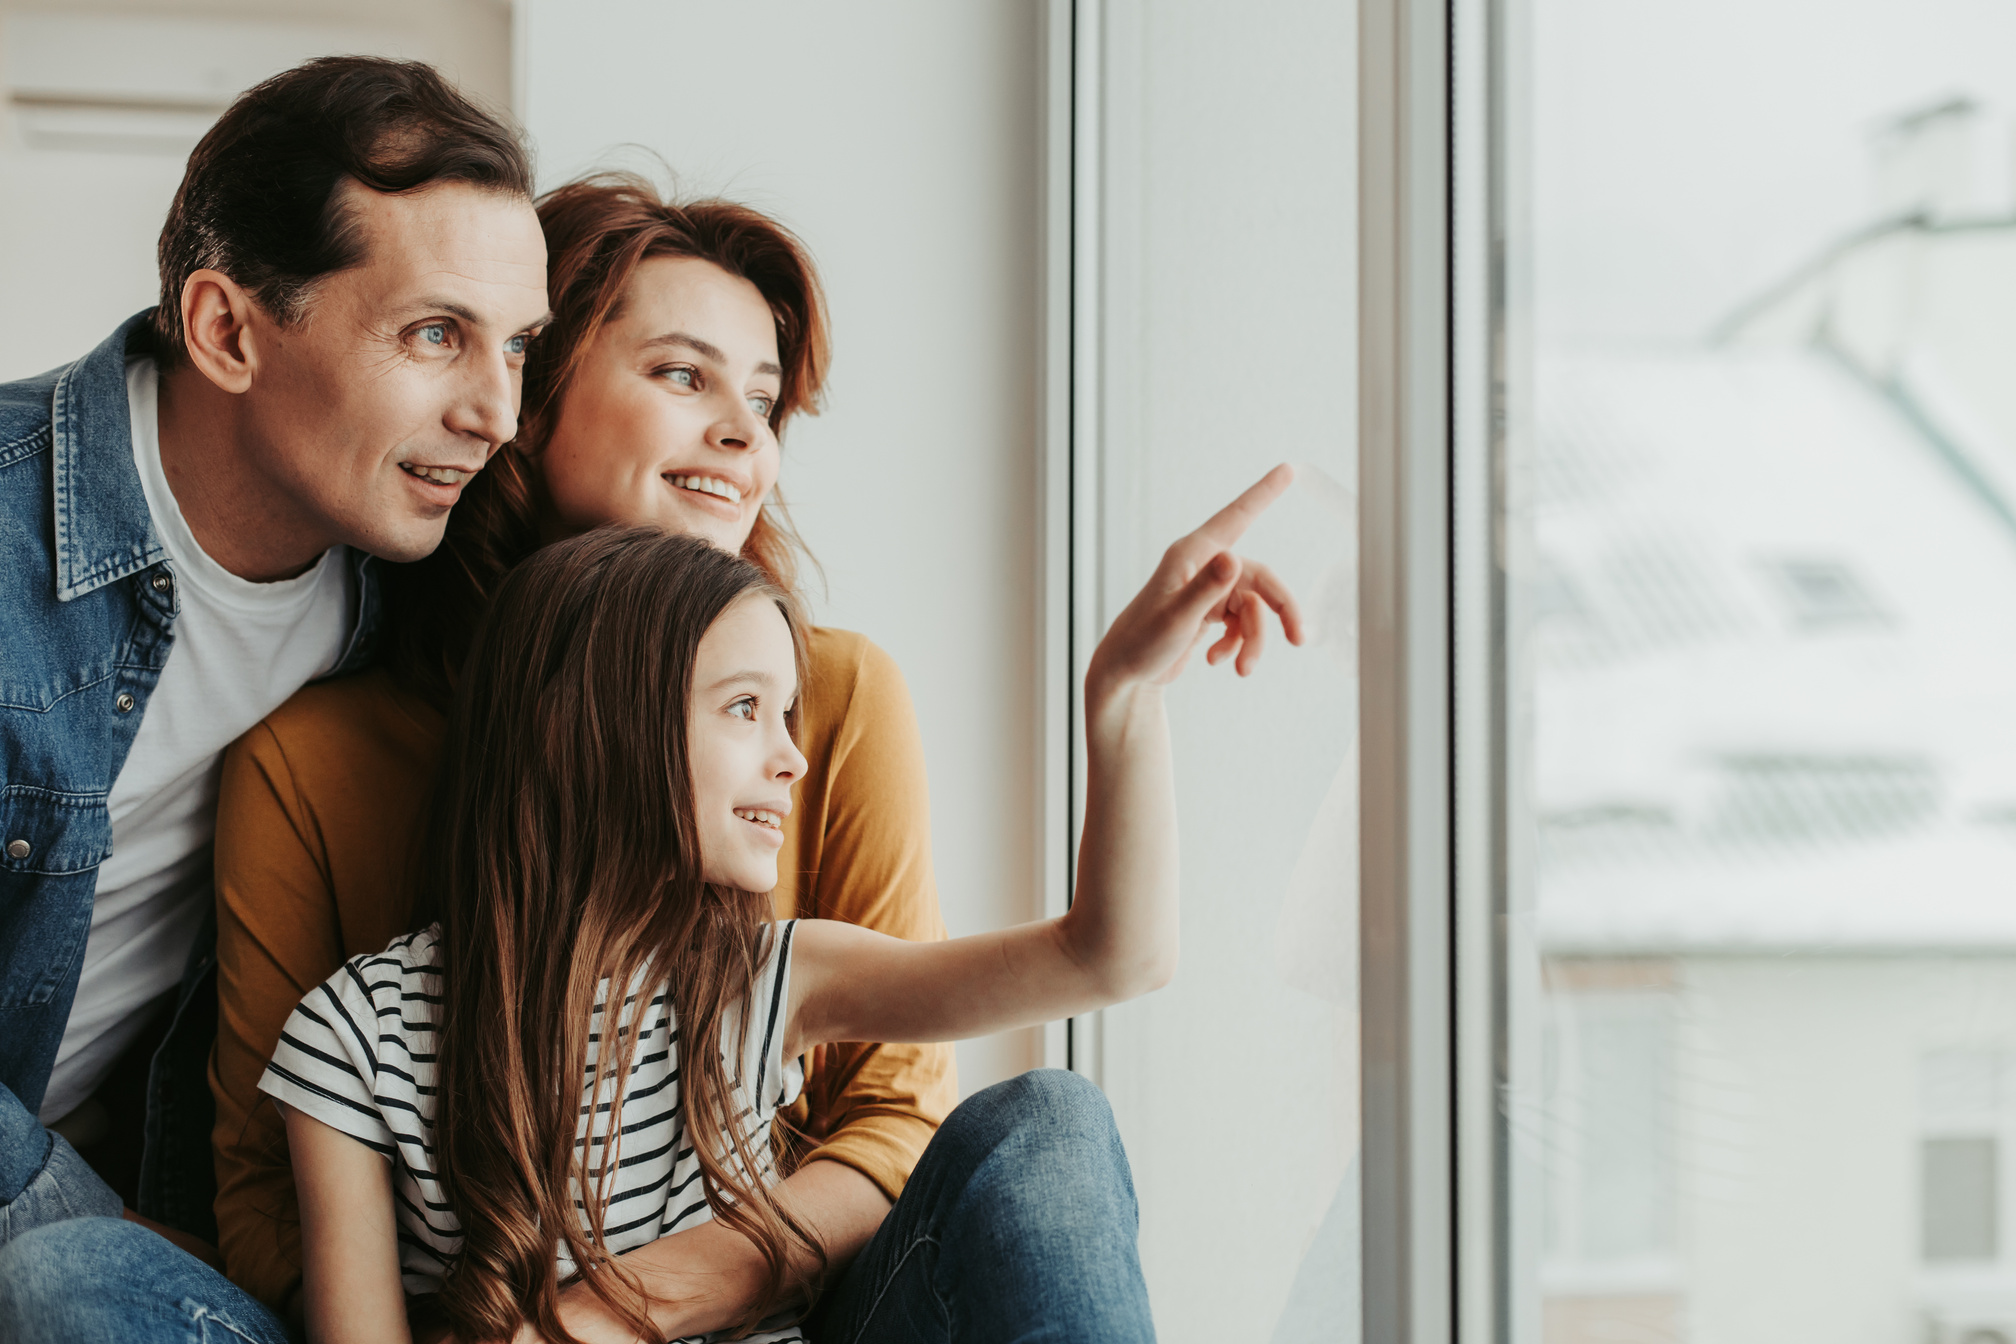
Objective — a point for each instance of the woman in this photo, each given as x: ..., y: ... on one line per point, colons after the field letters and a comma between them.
x: 683, y: 341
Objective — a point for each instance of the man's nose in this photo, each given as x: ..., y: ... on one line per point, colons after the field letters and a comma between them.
x: 487, y: 407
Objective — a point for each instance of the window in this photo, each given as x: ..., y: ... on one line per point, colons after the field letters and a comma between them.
x: 1609, y: 1091
x: 1757, y: 459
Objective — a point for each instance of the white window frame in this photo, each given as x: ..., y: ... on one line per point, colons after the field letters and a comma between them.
x: 1437, y: 1258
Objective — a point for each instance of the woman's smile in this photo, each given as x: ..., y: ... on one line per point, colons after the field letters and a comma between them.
x: 714, y: 493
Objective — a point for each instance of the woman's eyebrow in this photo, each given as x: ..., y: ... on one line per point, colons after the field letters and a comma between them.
x: 705, y: 349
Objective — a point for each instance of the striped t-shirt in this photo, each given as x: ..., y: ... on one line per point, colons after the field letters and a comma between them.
x: 358, y: 1055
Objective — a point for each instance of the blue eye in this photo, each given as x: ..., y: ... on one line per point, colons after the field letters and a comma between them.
x: 744, y: 708
x: 681, y: 375
x: 761, y: 404
x: 516, y: 345
x: 435, y: 333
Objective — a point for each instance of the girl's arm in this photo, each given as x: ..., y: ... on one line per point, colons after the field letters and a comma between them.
x: 349, y: 1237
x: 1119, y: 938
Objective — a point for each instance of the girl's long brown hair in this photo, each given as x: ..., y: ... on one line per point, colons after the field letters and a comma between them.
x: 562, y: 855
x: 598, y: 231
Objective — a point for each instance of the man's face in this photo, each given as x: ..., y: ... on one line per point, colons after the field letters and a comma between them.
x: 403, y: 374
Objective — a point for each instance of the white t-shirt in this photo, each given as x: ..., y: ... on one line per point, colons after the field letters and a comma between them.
x: 358, y: 1055
x: 240, y: 649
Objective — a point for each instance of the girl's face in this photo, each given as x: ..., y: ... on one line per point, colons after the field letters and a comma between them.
x: 667, y: 422
x: 742, y: 757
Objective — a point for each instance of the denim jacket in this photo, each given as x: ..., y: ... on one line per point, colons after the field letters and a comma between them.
x: 87, y: 617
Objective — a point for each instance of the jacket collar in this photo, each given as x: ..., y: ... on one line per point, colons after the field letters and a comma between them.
x: 103, y: 528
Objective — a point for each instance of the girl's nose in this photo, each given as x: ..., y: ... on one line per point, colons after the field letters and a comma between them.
x: 790, y: 761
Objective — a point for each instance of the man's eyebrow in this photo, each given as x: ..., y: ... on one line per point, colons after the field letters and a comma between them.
x: 468, y: 314
x: 705, y: 349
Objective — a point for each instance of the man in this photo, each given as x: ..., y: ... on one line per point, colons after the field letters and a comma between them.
x: 350, y: 273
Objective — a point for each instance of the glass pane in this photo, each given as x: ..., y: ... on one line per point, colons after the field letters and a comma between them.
x: 1226, y: 347
x: 1761, y: 336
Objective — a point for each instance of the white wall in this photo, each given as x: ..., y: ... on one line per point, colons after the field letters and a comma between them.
x: 1798, y: 1099
x: 78, y: 223
x: 900, y: 141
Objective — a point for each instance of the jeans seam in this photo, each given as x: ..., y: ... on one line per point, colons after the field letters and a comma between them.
x: 889, y: 1282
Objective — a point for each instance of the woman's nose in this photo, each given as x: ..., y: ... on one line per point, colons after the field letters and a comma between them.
x: 740, y: 427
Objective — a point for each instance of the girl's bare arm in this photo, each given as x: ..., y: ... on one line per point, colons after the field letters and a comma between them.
x: 349, y: 1237
x: 1119, y: 938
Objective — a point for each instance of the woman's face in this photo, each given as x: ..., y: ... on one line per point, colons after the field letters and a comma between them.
x: 738, y: 745
x: 667, y: 422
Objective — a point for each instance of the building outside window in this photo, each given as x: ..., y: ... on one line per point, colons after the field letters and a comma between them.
x: 1765, y: 447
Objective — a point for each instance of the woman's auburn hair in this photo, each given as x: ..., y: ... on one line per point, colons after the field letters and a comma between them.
x: 599, y: 230
x: 562, y: 857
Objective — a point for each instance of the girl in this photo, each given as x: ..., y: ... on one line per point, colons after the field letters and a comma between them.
x: 618, y: 767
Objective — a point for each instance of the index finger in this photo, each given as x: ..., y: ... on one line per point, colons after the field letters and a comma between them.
x: 1230, y: 523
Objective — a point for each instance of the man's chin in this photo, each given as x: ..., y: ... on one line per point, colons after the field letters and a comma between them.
x: 415, y: 541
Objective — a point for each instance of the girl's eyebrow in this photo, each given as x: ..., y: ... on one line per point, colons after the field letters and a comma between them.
x: 704, y: 349
x: 749, y: 678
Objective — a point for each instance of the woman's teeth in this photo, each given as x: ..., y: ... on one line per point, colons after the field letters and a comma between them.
x: 708, y: 485
x: 770, y: 819
x: 439, y: 475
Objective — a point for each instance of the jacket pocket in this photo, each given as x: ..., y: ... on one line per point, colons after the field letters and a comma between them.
x: 52, y: 833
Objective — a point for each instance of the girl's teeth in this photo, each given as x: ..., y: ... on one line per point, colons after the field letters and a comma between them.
x: 770, y: 819
x: 708, y: 485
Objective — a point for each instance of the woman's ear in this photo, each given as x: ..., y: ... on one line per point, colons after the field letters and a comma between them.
x: 217, y: 320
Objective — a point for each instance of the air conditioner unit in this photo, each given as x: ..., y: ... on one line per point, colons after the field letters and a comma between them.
x: 137, y: 84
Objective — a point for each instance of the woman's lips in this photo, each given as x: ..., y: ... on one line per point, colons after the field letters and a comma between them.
x: 713, y: 503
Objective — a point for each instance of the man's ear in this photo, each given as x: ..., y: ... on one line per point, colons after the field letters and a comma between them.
x: 217, y: 327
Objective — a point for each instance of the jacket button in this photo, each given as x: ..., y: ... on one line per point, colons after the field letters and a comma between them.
x: 162, y: 583
x: 19, y: 849
x: 125, y: 702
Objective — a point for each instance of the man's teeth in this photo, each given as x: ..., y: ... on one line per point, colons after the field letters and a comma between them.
x: 440, y: 475
x: 708, y: 485
x: 770, y: 819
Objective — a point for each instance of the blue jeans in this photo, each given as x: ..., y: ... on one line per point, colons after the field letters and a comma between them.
x: 108, y: 1281
x: 42, y: 1179
x: 73, y: 1272
x: 1017, y: 1226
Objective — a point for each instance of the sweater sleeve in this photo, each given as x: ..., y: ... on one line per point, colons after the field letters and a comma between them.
x: 277, y: 938
x: 875, y: 1107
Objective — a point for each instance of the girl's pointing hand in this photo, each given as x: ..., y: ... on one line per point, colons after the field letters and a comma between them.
x: 1200, y: 583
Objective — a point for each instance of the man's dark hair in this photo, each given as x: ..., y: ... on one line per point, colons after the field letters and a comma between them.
x: 260, y: 200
